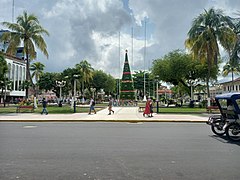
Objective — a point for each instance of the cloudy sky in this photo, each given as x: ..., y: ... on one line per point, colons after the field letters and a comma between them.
x: 90, y: 29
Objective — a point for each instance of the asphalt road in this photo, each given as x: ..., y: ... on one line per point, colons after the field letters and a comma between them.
x: 115, y: 151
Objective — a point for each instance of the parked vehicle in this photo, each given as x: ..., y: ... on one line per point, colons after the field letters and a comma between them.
x: 229, y: 120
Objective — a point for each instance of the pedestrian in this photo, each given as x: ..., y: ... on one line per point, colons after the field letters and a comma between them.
x: 92, y: 106
x: 147, y: 108
x: 110, y: 104
x: 44, y: 104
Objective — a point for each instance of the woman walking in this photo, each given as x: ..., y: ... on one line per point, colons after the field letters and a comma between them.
x: 147, y: 108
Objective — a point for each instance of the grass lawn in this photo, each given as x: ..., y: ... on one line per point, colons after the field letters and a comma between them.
x: 51, y: 109
x: 66, y: 109
x: 181, y: 110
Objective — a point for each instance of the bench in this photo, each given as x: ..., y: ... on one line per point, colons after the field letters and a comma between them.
x: 24, y: 107
x: 210, y: 109
x: 141, y: 108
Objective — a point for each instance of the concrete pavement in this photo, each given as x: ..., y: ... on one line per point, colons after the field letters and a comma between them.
x: 122, y: 114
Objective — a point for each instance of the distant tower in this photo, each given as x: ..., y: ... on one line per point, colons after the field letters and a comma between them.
x: 127, y: 90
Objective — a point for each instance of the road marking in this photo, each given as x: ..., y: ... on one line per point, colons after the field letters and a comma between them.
x: 135, y: 123
x: 29, y: 126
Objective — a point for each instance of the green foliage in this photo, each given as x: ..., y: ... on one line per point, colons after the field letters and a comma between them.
x: 104, y: 81
x: 37, y: 69
x: 68, y: 76
x: 208, y: 30
x: 26, y: 31
x: 3, y: 67
x: 138, y: 80
x: 47, y: 81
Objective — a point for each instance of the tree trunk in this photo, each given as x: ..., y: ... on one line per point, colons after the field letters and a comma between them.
x: 232, y: 79
x: 209, y: 71
x: 28, y: 74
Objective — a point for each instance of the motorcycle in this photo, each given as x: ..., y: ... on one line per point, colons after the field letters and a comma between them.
x: 228, y: 121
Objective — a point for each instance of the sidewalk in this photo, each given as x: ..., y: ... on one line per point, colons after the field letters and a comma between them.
x: 122, y: 114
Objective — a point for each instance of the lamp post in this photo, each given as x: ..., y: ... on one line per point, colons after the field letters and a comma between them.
x: 75, y: 76
x: 93, y: 91
x: 60, y: 84
x: 157, y: 96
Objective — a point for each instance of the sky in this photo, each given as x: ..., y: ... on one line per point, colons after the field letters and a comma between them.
x: 100, y: 31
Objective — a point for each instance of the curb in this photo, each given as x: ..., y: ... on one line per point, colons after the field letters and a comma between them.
x: 117, y: 121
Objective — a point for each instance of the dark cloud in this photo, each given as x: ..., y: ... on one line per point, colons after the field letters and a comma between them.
x: 89, y: 29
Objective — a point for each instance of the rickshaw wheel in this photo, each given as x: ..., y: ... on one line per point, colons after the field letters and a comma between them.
x: 217, y: 127
x: 233, y: 132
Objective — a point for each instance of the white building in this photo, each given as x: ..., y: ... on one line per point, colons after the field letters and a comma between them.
x: 225, y: 87
x: 17, y: 74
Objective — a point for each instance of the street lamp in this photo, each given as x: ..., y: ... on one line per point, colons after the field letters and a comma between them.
x: 157, y: 94
x: 60, y: 84
x: 75, y: 76
x: 93, y: 90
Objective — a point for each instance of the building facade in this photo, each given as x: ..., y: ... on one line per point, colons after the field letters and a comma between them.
x: 17, y: 75
x: 225, y: 87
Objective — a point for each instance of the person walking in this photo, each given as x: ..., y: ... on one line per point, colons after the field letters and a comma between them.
x: 44, y: 104
x: 147, y: 108
x: 110, y: 104
x: 92, y: 106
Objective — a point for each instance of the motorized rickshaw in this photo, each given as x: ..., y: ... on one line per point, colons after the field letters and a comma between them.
x: 229, y: 120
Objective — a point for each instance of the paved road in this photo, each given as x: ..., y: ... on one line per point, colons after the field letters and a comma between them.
x: 121, y: 114
x: 124, y: 151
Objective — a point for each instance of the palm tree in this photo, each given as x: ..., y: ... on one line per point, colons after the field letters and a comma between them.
x: 37, y: 70
x: 232, y: 45
x: 28, y: 31
x: 231, y: 68
x: 87, y: 72
x: 207, y: 30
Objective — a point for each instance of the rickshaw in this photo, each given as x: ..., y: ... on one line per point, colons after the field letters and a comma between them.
x: 229, y: 120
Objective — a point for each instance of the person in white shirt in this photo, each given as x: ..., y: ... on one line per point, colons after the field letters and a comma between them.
x: 92, y: 104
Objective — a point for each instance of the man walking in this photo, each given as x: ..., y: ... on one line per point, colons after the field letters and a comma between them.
x: 44, y: 104
x: 92, y: 104
x: 110, y: 104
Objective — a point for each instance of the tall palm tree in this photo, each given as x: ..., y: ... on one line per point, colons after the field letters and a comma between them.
x: 28, y: 31
x: 87, y: 71
x: 231, y: 68
x: 207, y: 30
x: 232, y: 46
x: 37, y: 70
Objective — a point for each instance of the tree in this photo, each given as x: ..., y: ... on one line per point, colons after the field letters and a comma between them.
x: 138, y: 80
x: 104, y: 81
x: 3, y: 67
x: 28, y: 31
x: 87, y: 72
x: 207, y: 30
x: 3, y: 78
x: 231, y: 68
x: 37, y: 70
x: 179, y: 69
x: 47, y: 81
x: 233, y: 48
x: 69, y: 75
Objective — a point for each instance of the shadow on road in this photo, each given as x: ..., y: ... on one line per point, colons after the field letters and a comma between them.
x: 224, y: 139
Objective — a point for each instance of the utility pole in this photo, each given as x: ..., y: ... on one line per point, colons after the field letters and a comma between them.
x: 13, y: 11
x: 144, y: 59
